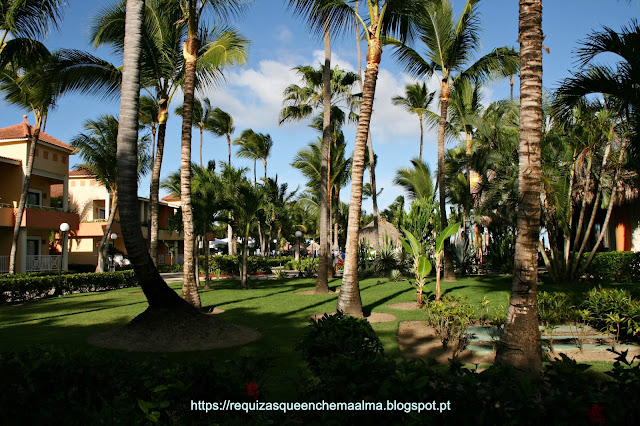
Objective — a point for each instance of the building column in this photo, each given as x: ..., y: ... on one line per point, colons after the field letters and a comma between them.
x: 65, y: 194
x: 21, y: 265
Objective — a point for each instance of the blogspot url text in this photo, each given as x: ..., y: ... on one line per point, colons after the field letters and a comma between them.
x: 407, y: 407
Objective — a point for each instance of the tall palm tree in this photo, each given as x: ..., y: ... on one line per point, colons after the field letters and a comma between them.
x: 220, y: 123
x: 416, y: 181
x: 254, y: 146
x: 163, y: 68
x: 157, y: 292
x: 148, y: 117
x: 202, y: 113
x: 385, y: 18
x: 449, y: 46
x: 520, y: 340
x: 249, y: 203
x: 416, y: 101
x: 97, y: 148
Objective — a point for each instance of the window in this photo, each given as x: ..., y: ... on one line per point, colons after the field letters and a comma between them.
x: 33, y: 246
x: 102, y: 213
x: 34, y: 197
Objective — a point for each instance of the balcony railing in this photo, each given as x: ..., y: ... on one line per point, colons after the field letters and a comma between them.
x: 34, y: 263
x: 43, y: 263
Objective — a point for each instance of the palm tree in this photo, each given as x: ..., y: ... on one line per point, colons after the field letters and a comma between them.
x: 520, y: 340
x: 416, y: 101
x: 416, y: 181
x: 220, y: 123
x: 148, y: 117
x: 192, y: 12
x: 449, y: 45
x: 97, y: 148
x: 385, y: 19
x: 254, y: 146
x: 231, y: 179
x: 22, y: 22
x: 163, y: 68
x: 618, y: 83
x: 202, y: 113
x: 158, y: 293
x: 249, y: 203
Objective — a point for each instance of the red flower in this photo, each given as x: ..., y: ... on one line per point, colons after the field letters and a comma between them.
x: 596, y: 415
x: 252, y: 390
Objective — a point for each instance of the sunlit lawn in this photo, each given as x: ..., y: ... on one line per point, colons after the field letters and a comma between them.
x: 271, y: 306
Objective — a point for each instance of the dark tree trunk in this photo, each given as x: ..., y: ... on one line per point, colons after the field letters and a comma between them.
x: 520, y: 344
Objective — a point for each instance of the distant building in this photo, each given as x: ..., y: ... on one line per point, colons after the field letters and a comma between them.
x: 45, y: 210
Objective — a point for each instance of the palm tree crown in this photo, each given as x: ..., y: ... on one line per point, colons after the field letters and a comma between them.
x: 416, y: 101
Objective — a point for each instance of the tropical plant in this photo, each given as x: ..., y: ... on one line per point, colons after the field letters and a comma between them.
x: 220, y: 123
x: 202, y: 113
x: 254, y: 146
x: 449, y: 46
x: 416, y: 101
x: 249, y: 203
x: 520, y: 344
x: 421, y: 263
x: 97, y: 147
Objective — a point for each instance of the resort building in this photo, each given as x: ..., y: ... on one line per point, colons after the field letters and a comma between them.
x: 45, y: 211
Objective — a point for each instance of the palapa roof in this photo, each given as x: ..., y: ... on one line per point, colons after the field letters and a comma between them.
x: 385, y: 229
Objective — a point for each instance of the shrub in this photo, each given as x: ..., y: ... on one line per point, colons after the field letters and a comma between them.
x: 500, y: 253
x: 120, y: 389
x: 385, y: 259
x: 395, y: 275
x: 555, y: 308
x: 450, y: 318
x: 23, y: 287
x: 613, y: 310
x: 614, y: 266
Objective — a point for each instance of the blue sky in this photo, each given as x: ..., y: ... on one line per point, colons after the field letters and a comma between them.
x: 280, y: 41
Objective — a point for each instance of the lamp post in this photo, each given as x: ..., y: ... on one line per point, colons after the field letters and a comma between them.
x: 64, y: 260
x: 275, y: 247
x: 113, y: 237
x: 298, y: 235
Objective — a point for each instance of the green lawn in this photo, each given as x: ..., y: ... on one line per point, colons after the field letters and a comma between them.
x: 271, y: 306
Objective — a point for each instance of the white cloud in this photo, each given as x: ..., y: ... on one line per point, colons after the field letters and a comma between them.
x: 284, y: 34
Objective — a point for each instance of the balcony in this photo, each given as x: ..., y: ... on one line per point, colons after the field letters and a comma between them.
x: 39, y: 217
x: 34, y: 263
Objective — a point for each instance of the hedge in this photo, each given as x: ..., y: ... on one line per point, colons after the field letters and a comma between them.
x: 231, y: 264
x: 24, y: 287
x: 614, y: 266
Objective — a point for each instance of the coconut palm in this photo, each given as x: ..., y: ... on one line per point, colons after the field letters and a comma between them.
x: 202, y: 113
x: 449, y: 46
x: 97, y: 147
x: 193, y: 59
x: 520, y: 340
x: 163, y: 68
x: 254, y: 146
x: 148, y: 118
x: 389, y: 17
x: 158, y: 293
x: 249, y: 202
x: 220, y: 123
x: 416, y: 101
x: 416, y: 181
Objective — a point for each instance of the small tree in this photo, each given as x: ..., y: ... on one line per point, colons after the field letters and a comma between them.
x: 421, y: 263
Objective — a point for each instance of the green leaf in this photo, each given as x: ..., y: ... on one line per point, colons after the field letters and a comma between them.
x: 415, y: 246
x: 407, y: 247
x: 447, y: 232
x: 424, y: 266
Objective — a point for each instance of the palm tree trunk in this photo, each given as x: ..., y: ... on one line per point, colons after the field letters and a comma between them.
x: 230, y: 238
x: 201, y: 135
x: 349, y: 301
x: 243, y: 269
x: 374, y: 195
x: 154, y: 188
x: 103, y: 246
x: 25, y: 190
x: 520, y: 344
x: 157, y: 292
x: 449, y: 273
x: 229, y: 144
x: 336, y: 215
x: 322, y: 283
x: 205, y: 245
x: 583, y: 206
x: 190, y: 51
x: 264, y: 161
x: 421, y: 134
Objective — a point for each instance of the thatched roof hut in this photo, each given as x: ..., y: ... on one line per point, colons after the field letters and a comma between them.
x: 386, y: 231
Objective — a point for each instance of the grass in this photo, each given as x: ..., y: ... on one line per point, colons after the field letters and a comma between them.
x: 271, y: 306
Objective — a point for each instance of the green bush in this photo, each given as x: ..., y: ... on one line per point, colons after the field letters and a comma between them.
x: 96, y: 387
x: 450, y: 318
x: 613, y: 310
x: 614, y: 266
x: 170, y: 268
x: 231, y: 264
x: 23, y: 287
x: 555, y: 308
x: 385, y: 260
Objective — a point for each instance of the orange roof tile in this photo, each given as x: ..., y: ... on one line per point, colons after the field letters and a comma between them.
x: 24, y: 131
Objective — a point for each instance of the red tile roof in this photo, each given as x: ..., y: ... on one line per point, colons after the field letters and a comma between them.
x: 24, y: 131
x: 80, y: 173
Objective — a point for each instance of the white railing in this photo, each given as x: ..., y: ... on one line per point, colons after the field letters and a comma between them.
x: 4, y: 264
x: 43, y: 263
